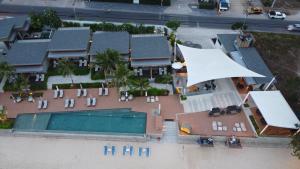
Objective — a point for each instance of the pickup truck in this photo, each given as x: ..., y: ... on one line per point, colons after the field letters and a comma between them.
x: 276, y: 15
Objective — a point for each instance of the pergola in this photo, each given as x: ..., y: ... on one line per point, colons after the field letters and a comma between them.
x: 275, y: 110
x: 210, y: 64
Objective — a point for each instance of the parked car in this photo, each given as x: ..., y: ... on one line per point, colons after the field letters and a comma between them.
x: 254, y: 10
x: 277, y: 15
x: 294, y: 27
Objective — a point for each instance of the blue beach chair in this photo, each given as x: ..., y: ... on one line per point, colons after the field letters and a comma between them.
x: 131, y: 151
x: 124, y: 150
x: 113, y: 150
x: 147, y: 151
x: 105, y: 150
x: 140, y: 151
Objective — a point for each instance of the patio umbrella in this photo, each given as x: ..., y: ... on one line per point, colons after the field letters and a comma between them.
x: 177, y: 65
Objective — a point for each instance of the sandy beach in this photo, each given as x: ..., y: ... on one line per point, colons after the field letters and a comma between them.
x: 50, y: 153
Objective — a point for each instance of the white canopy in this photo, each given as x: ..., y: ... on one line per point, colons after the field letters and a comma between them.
x: 209, y: 64
x: 274, y: 109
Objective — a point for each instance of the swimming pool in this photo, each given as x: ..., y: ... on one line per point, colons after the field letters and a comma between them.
x: 105, y: 121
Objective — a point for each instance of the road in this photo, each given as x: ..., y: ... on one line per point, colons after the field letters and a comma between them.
x: 152, y: 18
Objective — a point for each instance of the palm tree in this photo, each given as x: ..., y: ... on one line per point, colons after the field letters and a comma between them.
x: 6, y: 69
x: 139, y: 83
x: 66, y: 68
x: 107, y: 61
x: 22, y: 83
x: 122, y: 75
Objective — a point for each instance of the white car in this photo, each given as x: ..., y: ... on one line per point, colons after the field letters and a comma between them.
x: 276, y: 15
x: 294, y: 27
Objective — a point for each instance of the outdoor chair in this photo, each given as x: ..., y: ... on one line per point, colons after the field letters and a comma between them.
x: 40, y: 104
x: 100, y: 91
x: 72, y: 103
x: 84, y: 91
x: 214, y: 126
x: 37, y: 77
x: 55, y: 94
x: 94, y: 101
x: 205, y: 141
x: 88, y: 101
x: 106, y: 91
x: 243, y: 127
x: 113, y: 150
x: 148, y: 99
x: 18, y: 99
x: 61, y: 93
x: 78, y: 92
x: 42, y: 77
x: 67, y: 102
x: 156, y: 98
x: 45, y: 104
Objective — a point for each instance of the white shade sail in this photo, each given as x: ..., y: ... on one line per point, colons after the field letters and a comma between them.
x: 177, y: 65
x: 209, y: 64
x: 274, y: 109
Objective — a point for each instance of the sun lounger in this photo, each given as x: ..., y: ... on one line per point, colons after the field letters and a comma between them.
x: 130, y: 97
x: 147, y: 151
x: 42, y: 77
x: 88, y: 101
x: 105, y: 150
x: 94, y: 101
x: 78, y: 92
x: 105, y: 91
x: 61, y: 93
x: 224, y: 128
x: 243, y: 127
x: 131, y: 151
x: 67, y: 102
x: 72, y: 103
x: 238, y: 129
x: 55, y: 94
x: 140, y: 151
x: 156, y: 98
x: 84, y: 92
x: 37, y: 77
x: 220, y: 128
x: 113, y: 150
x: 100, y: 91
x: 40, y: 104
x: 45, y: 104
x: 214, y: 126
x: 124, y: 150
x: 148, y: 100
x: 219, y: 123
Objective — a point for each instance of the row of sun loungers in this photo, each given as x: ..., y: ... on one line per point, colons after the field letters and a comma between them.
x: 103, y: 91
x: 39, y: 77
x: 81, y: 92
x: 42, y: 104
x: 127, y: 150
x: 152, y: 99
x: 238, y: 127
x: 91, y: 101
x: 58, y: 93
x: 69, y: 103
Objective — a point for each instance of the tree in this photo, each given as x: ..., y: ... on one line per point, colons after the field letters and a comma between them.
x: 46, y: 18
x: 139, y: 83
x: 122, y: 75
x: 21, y: 83
x: 174, y: 24
x: 66, y: 68
x: 295, y: 143
x: 5, y: 69
x: 107, y: 61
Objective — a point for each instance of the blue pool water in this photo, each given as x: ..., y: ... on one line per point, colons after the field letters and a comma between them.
x: 111, y: 121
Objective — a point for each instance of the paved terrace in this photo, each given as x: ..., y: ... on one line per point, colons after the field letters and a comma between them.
x: 201, y: 124
x: 169, y: 105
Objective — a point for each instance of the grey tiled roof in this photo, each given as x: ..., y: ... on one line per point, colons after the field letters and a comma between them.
x: 6, y: 25
x: 102, y: 41
x: 254, y: 62
x: 227, y: 41
x: 70, y: 39
x: 27, y: 52
x: 5, y: 30
x: 148, y: 47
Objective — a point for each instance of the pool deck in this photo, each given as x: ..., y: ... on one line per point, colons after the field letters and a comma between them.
x: 170, y: 105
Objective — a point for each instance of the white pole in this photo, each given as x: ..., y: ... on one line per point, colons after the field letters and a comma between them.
x: 269, y: 84
x: 264, y: 129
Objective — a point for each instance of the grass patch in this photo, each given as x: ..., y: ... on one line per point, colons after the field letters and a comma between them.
x: 81, y: 71
x: 254, y: 124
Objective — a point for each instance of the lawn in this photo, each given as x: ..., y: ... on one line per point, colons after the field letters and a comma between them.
x: 281, y: 52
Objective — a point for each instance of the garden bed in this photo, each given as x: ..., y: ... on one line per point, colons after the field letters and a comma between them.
x: 150, y: 92
x: 76, y: 85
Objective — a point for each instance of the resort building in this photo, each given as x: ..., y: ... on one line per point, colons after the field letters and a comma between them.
x: 150, y: 55
x: 29, y: 56
x: 240, y: 48
x: 118, y: 41
x: 13, y: 28
x: 70, y: 43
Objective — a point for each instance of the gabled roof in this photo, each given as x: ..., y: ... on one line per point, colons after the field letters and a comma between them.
x: 102, y: 41
x: 210, y: 64
x: 149, y: 47
x: 227, y: 41
x: 27, y: 52
x: 275, y: 109
x: 8, y: 24
x: 70, y: 39
x: 255, y: 63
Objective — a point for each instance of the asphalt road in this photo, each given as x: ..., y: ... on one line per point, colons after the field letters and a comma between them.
x: 153, y: 18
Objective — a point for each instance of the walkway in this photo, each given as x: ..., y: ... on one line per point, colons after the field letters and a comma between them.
x: 170, y: 132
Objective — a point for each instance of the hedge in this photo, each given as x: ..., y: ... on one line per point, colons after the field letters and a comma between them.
x: 97, y: 75
x: 71, y: 24
x: 254, y: 124
x: 76, y: 85
x: 165, y: 79
x: 138, y: 29
x: 150, y: 92
x: 7, y: 124
x: 81, y: 71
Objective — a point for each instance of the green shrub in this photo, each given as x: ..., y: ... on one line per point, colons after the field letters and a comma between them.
x: 267, y: 3
x: 150, y: 92
x: 81, y: 71
x: 97, y: 75
x: 53, y: 72
x: 166, y: 79
x: 76, y: 85
x: 7, y: 124
x: 9, y: 87
x: 183, y: 97
x: 238, y: 25
x: 71, y: 24
x: 207, y: 5
x: 38, y: 86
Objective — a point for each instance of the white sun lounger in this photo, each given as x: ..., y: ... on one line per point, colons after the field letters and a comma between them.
x: 72, y: 103
x: 45, y: 104
x: 156, y: 98
x: 105, y: 91
x: 84, y: 92
x: 40, y: 104
x: 243, y: 127
x: 148, y: 99
x: 78, y: 92
x: 67, y: 101
x: 37, y: 77
x: 214, y: 126
x: 55, y: 94
x: 100, y: 91
x: 94, y: 101
x: 88, y: 101
x: 42, y: 77
x: 61, y: 93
